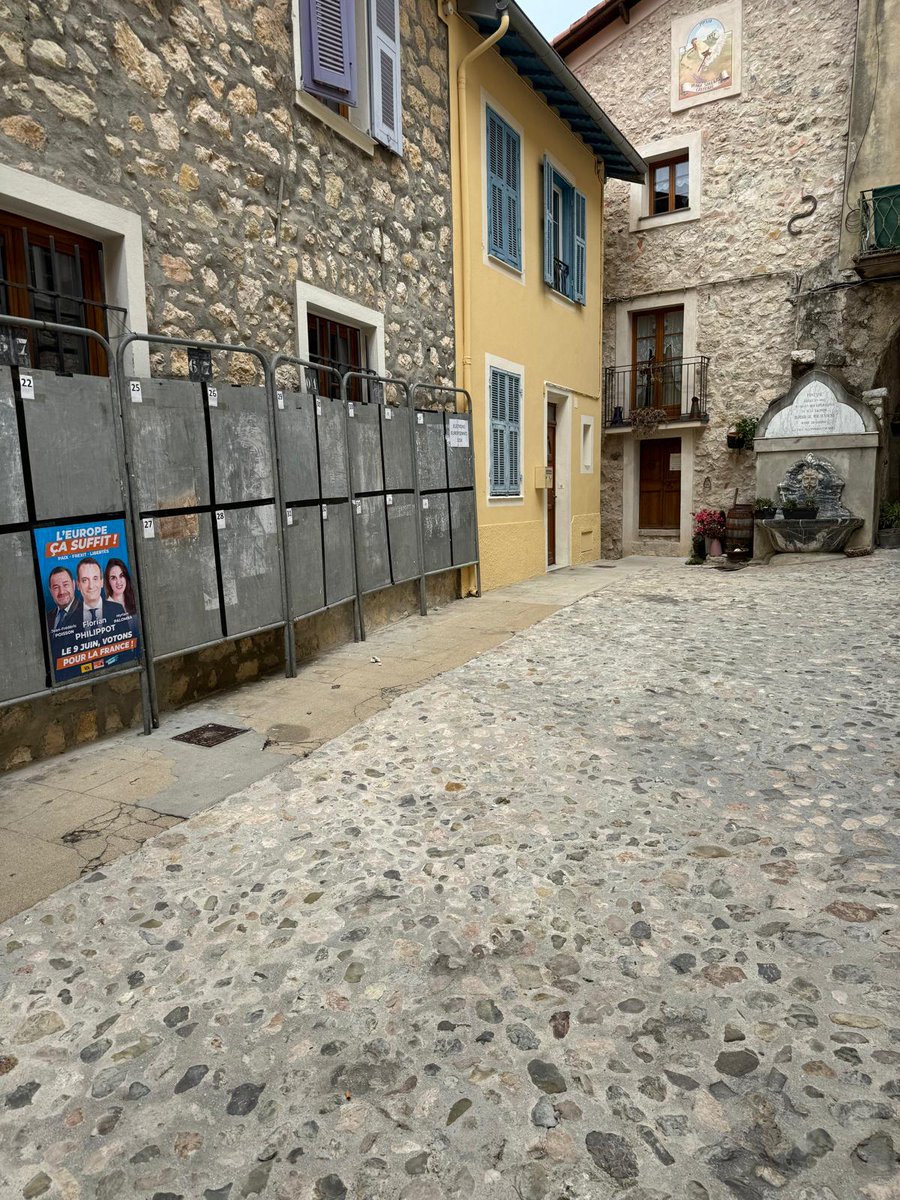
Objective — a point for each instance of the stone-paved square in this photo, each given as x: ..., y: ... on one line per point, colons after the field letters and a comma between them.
x: 609, y: 910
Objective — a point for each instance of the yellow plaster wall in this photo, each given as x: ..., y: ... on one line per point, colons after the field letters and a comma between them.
x: 519, y: 319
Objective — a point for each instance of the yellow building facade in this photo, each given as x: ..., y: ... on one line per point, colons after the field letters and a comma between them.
x: 528, y: 272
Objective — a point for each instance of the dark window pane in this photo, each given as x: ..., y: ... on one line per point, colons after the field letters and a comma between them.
x: 661, y: 189
x: 682, y: 186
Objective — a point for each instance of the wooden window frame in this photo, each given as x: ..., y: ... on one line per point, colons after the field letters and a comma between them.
x: 356, y: 338
x: 658, y: 357
x: 90, y: 255
x: 671, y: 161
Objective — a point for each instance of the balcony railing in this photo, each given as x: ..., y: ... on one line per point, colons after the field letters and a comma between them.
x: 678, y: 386
x: 879, y: 232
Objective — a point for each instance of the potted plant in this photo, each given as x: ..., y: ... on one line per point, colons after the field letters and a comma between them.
x: 741, y: 434
x: 710, y: 525
x: 889, y: 525
x: 764, y: 509
x: 647, y: 420
x: 793, y: 510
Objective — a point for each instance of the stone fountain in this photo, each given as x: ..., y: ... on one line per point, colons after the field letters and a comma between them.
x: 815, y: 482
x: 817, y: 445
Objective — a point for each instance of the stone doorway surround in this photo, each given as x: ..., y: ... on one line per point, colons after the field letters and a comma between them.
x: 663, y: 542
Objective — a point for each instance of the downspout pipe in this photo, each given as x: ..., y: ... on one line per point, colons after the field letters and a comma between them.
x: 466, y: 223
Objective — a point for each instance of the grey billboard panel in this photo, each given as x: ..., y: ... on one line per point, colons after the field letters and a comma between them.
x: 402, y: 518
x: 22, y: 670
x: 338, y: 553
x: 72, y: 446
x: 430, y: 450
x: 332, y: 462
x: 303, y: 538
x: 248, y: 554
x: 436, y: 532
x: 398, y: 472
x: 365, y: 448
x: 460, y: 455
x: 372, y: 545
x: 167, y: 439
x: 181, y: 596
x: 462, y: 524
x: 242, y: 455
x: 297, y: 448
x: 13, y: 506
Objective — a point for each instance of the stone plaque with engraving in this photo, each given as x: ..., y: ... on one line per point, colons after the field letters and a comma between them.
x: 816, y: 411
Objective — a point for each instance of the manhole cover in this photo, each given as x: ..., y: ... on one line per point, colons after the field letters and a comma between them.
x: 209, y: 735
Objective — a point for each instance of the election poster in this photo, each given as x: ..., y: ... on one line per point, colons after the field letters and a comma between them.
x: 90, y: 609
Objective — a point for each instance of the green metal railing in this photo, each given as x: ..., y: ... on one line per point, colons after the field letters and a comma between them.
x: 879, y: 213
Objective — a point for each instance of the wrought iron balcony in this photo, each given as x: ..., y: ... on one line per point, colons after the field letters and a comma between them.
x: 879, y: 232
x: 677, y: 386
x: 561, y: 276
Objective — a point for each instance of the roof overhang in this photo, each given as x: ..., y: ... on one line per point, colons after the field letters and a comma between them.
x: 531, y: 55
x: 591, y: 23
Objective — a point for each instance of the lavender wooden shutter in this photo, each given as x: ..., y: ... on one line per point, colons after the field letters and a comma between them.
x: 329, y: 49
x: 384, y: 28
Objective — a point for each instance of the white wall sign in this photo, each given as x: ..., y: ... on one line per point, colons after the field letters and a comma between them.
x: 458, y: 432
x: 816, y: 411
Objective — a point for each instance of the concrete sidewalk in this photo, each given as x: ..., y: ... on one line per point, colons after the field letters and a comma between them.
x: 63, y: 817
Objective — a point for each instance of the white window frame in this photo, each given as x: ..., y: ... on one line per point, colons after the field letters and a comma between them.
x: 639, y: 214
x: 119, y: 231
x: 513, y: 368
x: 587, y: 443
x: 369, y: 321
x: 355, y: 127
x: 514, y: 273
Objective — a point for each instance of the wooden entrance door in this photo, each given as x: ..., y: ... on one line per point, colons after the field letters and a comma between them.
x: 551, y: 491
x: 660, y: 506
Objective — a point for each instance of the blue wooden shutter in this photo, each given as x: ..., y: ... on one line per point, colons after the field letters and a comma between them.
x: 498, y: 433
x: 513, y: 198
x: 514, y: 424
x: 504, y: 193
x: 580, y: 273
x: 506, y: 418
x: 384, y: 27
x: 329, y: 49
x: 496, y: 188
x: 548, y: 222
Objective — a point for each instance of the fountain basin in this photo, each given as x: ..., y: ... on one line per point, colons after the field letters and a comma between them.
x: 823, y: 535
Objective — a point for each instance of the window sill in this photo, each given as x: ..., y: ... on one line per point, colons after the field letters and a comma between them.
x: 658, y: 220
x: 506, y: 499
x: 516, y: 272
x: 556, y: 294
x: 339, y: 124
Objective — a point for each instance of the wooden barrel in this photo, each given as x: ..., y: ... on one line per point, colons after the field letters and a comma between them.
x: 739, y: 526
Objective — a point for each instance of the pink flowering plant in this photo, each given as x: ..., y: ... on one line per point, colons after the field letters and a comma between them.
x: 709, y: 523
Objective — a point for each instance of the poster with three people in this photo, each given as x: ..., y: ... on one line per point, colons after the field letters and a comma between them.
x: 90, y: 609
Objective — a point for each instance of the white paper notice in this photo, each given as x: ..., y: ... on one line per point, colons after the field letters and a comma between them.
x: 148, y: 527
x: 212, y: 395
x: 350, y: 409
x: 420, y: 418
x: 388, y: 414
x: 220, y: 518
x: 389, y: 500
x: 424, y: 501
x: 279, y: 396
x: 289, y: 512
x: 324, y: 512
x: 134, y: 388
x: 457, y: 432
x: 26, y: 386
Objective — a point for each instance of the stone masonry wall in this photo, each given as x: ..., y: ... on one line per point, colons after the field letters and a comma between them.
x: 185, y: 113
x: 782, y: 138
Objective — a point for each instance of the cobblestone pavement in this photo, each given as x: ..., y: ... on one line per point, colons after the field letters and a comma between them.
x: 608, y: 911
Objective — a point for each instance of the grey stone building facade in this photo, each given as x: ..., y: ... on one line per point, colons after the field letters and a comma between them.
x: 743, y: 258
x: 225, y: 171
x: 227, y: 198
